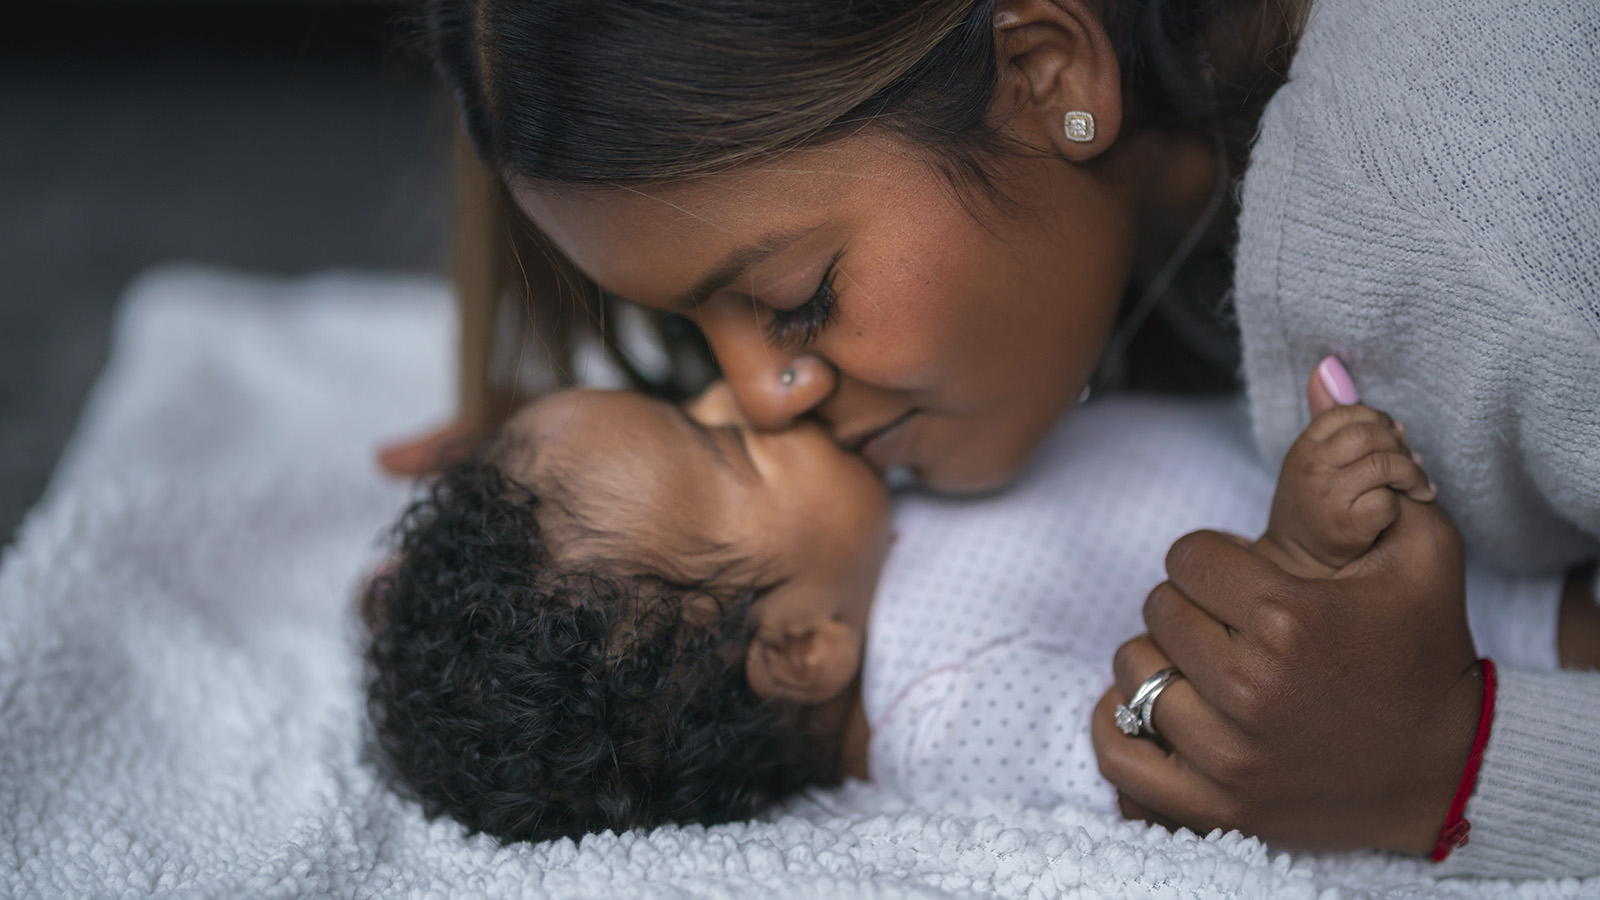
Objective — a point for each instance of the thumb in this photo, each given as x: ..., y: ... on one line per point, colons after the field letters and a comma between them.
x: 1330, y: 386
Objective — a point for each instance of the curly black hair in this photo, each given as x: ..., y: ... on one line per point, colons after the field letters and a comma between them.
x: 531, y: 700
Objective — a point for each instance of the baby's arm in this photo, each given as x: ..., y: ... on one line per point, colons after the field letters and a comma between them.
x: 1340, y: 487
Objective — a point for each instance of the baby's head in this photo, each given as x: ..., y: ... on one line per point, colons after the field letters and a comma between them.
x: 624, y: 613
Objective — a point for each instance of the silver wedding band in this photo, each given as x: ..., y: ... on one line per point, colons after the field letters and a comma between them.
x: 1137, y: 716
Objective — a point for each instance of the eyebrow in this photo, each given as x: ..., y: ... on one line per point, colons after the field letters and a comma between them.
x: 734, y: 265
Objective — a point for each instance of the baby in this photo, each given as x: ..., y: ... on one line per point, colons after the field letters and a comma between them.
x: 625, y: 613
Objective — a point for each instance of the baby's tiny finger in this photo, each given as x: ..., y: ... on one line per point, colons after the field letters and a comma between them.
x: 1400, y: 432
x: 1392, y: 469
x: 1427, y: 493
x: 1357, y: 441
x: 1332, y: 420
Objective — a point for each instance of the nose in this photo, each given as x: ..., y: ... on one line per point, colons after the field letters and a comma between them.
x: 772, y: 385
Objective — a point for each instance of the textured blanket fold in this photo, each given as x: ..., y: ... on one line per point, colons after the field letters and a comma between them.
x: 180, y: 709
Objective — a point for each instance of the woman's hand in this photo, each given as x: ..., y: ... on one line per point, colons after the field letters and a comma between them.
x: 1316, y: 713
x: 428, y: 453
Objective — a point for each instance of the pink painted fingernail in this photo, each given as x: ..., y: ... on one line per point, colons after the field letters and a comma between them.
x: 1337, y: 381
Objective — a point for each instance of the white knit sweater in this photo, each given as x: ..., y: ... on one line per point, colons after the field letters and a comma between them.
x: 1424, y: 201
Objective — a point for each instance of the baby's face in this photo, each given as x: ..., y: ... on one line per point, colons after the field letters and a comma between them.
x: 694, y: 489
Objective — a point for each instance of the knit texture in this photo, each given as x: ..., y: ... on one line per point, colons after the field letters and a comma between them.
x: 1424, y: 202
x: 1539, y: 815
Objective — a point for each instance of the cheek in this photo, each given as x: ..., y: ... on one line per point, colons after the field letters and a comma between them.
x: 911, y: 310
x: 897, y: 329
x: 960, y: 312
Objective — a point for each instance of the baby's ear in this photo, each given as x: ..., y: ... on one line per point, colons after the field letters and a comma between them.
x: 810, y: 661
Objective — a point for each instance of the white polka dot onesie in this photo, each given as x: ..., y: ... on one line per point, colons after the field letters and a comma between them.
x: 993, y: 628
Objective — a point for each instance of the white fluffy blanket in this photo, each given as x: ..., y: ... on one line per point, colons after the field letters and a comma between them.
x: 179, y: 685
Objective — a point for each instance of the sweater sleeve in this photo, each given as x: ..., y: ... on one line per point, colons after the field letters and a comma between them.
x: 1423, y: 201
x: 1535, y: 812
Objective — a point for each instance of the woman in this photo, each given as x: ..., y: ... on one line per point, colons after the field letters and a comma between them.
x: 916, y: 222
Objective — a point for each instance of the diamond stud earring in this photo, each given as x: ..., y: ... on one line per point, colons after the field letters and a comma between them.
x: 787, y: 378
x: 1080, y: 127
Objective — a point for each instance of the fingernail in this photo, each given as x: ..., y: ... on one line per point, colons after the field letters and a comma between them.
x: 1425, y: 494
x: 1400, y: 429
x: 1416, y: 457
x: 1337, y: 381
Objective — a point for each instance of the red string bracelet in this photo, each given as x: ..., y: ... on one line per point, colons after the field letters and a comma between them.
x: 1456, y: 826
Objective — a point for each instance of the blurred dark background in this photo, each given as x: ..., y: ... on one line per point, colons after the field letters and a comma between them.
x: 266, y: 135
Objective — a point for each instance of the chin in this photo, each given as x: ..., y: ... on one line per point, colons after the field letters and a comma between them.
x: 970, y: 479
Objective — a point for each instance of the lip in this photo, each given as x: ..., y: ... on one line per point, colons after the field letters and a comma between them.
x: 885, y: 446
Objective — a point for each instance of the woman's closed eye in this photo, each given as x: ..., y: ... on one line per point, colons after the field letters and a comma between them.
x: 802, y: 324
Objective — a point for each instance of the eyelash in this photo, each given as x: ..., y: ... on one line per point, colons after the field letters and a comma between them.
x: 801, y: 325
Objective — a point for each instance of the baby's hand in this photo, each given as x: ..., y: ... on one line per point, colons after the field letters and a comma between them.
x: 1340, y: 488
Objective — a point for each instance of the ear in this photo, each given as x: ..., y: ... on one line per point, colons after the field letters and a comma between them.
x: 810, y: 662
x: 1055, y: 57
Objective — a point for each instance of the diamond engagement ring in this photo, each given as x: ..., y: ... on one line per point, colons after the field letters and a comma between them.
x: 1137, y: 715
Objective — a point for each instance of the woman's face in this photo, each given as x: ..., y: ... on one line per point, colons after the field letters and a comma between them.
x: 851, y: 283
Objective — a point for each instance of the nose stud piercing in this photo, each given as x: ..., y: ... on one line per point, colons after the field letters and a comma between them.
x: 787, y: 378
x: 1080, y: 127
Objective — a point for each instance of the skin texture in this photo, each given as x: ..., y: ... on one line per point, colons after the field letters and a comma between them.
x: 1340, y: 486
x: 698, y: 495
x: 1323, y: 707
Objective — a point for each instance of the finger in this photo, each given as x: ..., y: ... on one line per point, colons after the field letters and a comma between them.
x: 1134, y: 811
x: 1358, y: 439
x: 1420, y: 548
x: 1223, y: 576
x: 1330, y: 384
x: 1136, y: 660
x: 1317, y: 395
x: 1384, y: 470
x: 1182, y: 717
x: 1324, y: 426
x: 1188, y: 637
x: 1156, y: 783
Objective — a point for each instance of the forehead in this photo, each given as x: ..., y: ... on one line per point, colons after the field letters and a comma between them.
x: 606, y: 433
x: 650, y: 243
x: 626, y: 469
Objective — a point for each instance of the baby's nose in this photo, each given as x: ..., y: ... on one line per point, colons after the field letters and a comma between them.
x: 716, y: 406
